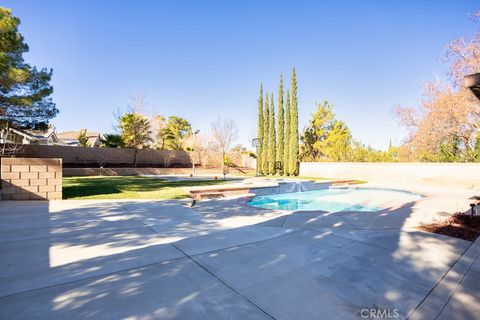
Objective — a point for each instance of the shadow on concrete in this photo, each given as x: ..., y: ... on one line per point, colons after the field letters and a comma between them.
x: 114, y: 260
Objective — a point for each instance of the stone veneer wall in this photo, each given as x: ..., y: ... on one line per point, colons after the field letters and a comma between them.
x: 31, y: 179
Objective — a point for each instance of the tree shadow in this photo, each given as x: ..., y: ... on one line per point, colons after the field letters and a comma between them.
x: 382, y: 267
x: 331, y: 264
x: 115, y: 267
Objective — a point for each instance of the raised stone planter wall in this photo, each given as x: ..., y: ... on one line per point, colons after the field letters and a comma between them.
x: 31, y: 179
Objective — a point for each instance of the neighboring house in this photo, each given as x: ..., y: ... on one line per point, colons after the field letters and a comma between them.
x: 70, y: 138
x: 23, y: 136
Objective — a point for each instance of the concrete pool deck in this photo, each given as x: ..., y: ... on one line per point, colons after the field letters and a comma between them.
x: 221, y: 259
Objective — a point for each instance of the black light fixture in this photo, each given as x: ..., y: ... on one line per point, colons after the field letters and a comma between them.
x: 193, y: 151
x: 473, y: 82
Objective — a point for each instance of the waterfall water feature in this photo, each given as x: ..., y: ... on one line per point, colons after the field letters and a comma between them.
x: 298, y: 186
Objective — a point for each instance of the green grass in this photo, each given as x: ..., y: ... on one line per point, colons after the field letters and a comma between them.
x: 308, y: 178
x: 318, y: 178
x: 358, y: 182
x: 285, y: 177
x: 128, y: 187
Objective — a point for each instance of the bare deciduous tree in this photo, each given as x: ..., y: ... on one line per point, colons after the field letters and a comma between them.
x: 196, y: 144
x: 224, y: 134
x: 449, y: 112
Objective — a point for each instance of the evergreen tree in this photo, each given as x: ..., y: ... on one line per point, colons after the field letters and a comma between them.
x: 260, y: 131
x: 112, y: 140
x: 25, y: 91
x: 294, y: 152
x: 286, y: 160
x: 174, y: 133
x: 271, y: 138
x: 83, y: 139
x: 266, y: 118
x: 136, y: 132
x: 280, y: 128
x: 325, y: 138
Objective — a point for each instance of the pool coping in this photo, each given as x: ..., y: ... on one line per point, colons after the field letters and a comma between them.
x: 244, y: 200
x: 209, y: 192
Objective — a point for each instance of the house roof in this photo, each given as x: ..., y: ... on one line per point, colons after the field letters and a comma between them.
x: 75, y: 134
x: 33, y: 135
x: 71, y: 137
x: 37, y: 134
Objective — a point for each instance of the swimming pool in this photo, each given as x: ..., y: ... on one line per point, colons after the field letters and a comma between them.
x: 335, y: 200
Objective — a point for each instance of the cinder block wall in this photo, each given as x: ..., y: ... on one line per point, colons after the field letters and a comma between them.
x: 458, y: 175
x: 79, y: 157
x: 96, y: 157
x: 31, y: 179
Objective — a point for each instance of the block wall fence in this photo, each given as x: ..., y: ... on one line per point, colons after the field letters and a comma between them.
x: 96, y: 157
x: 458, y: 175
x: 80, y: 157
x: 31, y: 179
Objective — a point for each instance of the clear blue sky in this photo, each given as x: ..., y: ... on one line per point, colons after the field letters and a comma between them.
x: 202, y: 59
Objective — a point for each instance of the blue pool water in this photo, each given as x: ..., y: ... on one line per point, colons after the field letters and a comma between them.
x: 335, y: 200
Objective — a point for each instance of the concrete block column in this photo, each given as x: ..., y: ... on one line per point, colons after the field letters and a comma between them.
x: 31, y: 178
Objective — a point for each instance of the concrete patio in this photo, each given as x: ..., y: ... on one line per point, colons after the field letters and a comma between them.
x: 165, y: 260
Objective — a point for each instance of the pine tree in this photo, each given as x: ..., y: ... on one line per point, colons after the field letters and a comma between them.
x: 286, y: 160
x: 280, y: 128
x: 294, y: 128
x: 266, y: 118
x: 271, y: 138
x: 25, y: 91
x: 260, y: 131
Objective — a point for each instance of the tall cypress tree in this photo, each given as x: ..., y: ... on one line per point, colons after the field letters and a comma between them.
x: 266, y: 119
x: 286, y: 160
x: 260, y: 130
x: 294, y: 128
x: 280, y: 128
x: 272, y: 137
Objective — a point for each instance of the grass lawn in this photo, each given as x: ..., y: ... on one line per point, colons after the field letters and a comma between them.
x: 292, y: 177
x: 128, y: 187
x: 307, y: 178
